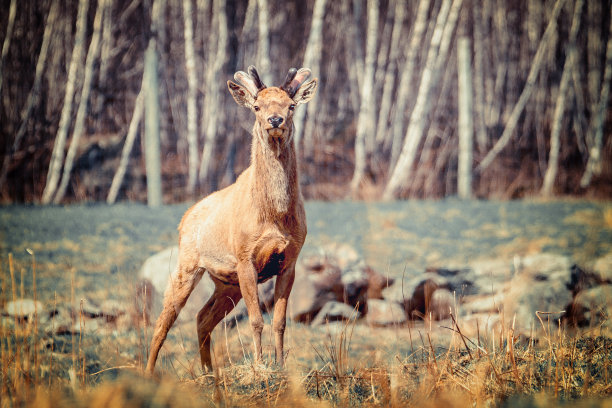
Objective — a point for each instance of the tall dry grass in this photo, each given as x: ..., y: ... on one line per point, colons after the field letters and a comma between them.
x: 327, y: 366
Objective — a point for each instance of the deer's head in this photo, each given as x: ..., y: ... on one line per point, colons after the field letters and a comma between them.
x: 274, y: 106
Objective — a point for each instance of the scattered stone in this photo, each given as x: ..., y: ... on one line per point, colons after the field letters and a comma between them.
x: 592, y: 307
x: 334, y: 311
x: 24, y: 309
x: 542, y: 284
x: 87, y: 307
x: 415, y: 293
x: 111, y: 309
x: 441, y: 305
x: 385, y: 313
x: 155, y: 274
x: 602, y: 267
x: 376, y: 283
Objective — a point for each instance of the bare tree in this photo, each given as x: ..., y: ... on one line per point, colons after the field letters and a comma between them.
x: 151, y: 97
x: 127, y: 147
x: 7, y: 38
x: 596, y: 128
x: 79, y: 123
x: 57, y: 156
x: 466, y: 124
x: 263, y: 44
x: 391, y: 72
x: 312, y: 60
x: 192, y: 109
x: 34, y: 95
x: 218, y: 55
x: 366, y: 121
x: 395, y: 136
x: 440, y: 42
x: 555, y: 143
x: 545, y: 42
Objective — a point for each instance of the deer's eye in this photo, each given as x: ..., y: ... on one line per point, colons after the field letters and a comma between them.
x: 256, y: 108
x: 291, y: 107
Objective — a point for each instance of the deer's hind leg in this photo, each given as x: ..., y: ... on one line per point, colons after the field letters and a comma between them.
x: 218, y: 306
x: 179, y: 288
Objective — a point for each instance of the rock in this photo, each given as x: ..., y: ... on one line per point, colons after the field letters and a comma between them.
x: 441, y: 305
x: 488, y: 303
x: 354, y: 281
x: 592, y: 307
x: 308, y: 296
x: 87, y: 307
x: 542, y: 283
x: 602, y: 268
x: 111, y: 309
x: 385, y: 313
x: 479, y: 324
x: 154, y: 274
x: 334, y: 311
x: 477, y: 278
x: 415, y: 293
x: 24, y: 309
x: 376, y: 283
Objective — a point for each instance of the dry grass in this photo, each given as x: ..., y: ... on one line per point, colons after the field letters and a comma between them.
x: 342, y: 364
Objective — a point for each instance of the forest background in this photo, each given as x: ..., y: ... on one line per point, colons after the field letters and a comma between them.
x: 109, y: 100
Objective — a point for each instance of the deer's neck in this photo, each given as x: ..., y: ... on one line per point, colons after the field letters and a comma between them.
x: 275, y: 187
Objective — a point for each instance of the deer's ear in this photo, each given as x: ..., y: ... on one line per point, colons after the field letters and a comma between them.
x: 241, y: 95
x: 306, y: 91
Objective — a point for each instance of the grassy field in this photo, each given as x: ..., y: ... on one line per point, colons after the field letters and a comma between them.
x: 63, y: 255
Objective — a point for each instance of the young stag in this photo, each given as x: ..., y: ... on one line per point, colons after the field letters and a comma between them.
x: 250, y: 231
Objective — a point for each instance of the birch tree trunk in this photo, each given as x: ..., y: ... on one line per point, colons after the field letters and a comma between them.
x: 394, y: 137
x: 312, y: 60
x: 545, y: 42
x: 390, y: 73
x: 445, y: 25
x: 212, y: 99
x: 34, y: 95
x: 7, y: 38
x: 192, y: 111
x: 564, y: 88
x: 127, y: 147
x: 152, y: 120
x: 263, y: 44
x: 57, y: 156
x: 466, y: 125
x: 79, y: 123
x: 366, y: 120
x: 479, y: 78
x: 596, y: 128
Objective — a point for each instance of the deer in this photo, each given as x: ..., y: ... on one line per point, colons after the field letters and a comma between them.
x: 247, y: 232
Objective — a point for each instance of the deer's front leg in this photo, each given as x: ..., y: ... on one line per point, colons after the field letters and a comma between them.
x: 247, y: 278
x: 284, y: 283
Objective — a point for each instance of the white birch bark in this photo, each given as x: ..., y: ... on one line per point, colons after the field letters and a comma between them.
x: 34, y: 95
x: 79, y: 123
x: 391, y: 73
x: 127, y: 147
x: 212, y: 84
x: 545, y: 43
x: 597, y: 124
x: 7, y: 38
x: 479, y: 78
x: 395, y: 136
x: 57, y: 155
x: 445, y: 25
x: 192, y: 83
x: 263, y: 44
x: 466, y: 125
x: 564, y: 91
x: 366, y: 120
x: 312, y: 60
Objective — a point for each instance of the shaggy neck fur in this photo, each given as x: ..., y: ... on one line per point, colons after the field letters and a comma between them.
x: 275, y: 186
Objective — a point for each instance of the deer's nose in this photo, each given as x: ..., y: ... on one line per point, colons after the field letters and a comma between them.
x: 275, y: 121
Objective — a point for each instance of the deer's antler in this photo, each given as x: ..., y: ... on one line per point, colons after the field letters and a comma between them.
x: 247, y: 81
x: 256, y: 80
x: 295, y: 79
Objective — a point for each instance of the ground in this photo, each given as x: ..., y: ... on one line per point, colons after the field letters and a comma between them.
x: 94, y: 252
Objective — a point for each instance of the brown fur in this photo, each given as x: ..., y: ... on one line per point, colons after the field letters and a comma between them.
x: 246, y: 233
